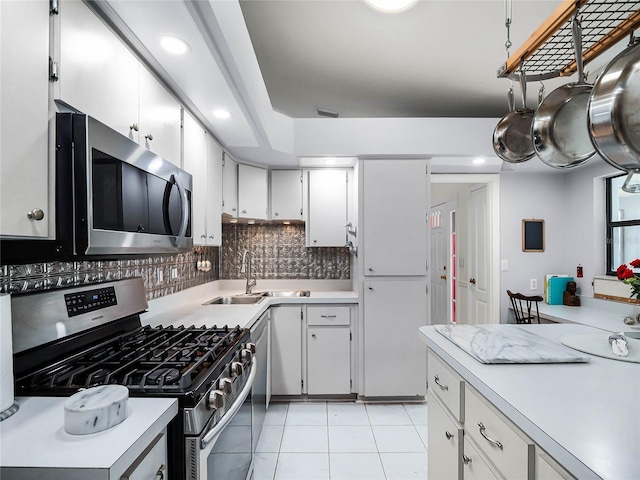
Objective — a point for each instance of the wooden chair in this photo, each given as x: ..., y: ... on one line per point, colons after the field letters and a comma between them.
x: 522, y: 306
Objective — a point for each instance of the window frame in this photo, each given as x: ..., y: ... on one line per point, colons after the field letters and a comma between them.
x: 611, y: 224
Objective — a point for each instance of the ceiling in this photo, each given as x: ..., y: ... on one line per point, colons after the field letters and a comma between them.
x: 275, y: 62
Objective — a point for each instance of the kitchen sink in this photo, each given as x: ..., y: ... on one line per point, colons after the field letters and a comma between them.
x: 240, y: 300
x: 287, y: 293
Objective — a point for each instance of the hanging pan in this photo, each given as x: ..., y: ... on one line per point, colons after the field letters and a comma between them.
x: 512, y: 136
x: 560, y: 130
x: 614, y: 113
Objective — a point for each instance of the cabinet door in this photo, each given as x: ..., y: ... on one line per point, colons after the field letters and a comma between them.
x: 328, y: 360
x: 395, y: 359
x: 445, y: 439
x: 395, y: 204
x: 152, y: 462
x: 195, y: 163
x: 159, y: 118
x: 327, y: 210
x: 474, y: 465
x: 98, y: 74
x: 286, y: 194
x: 252, y: 191
x: 229, y: 186
x: 286, y: 350
x: 213, y: 192
x: 24, y: 94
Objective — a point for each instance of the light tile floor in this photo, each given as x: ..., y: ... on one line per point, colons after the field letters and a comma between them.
x: 343, y: 441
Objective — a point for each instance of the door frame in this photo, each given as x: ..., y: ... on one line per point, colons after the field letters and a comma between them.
x: 492, y: 181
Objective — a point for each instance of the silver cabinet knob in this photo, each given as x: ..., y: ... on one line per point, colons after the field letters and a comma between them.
x: 149, y: 137
x: 315, y: 241
x: 370, y: 269
x: 225, y: 385
x: 211, y: 237
x: 233, y: 209
x: 133, y: 127
x: 244, y: 211
x: 313, y: 335
x: 449, y: 435
x: 35, y: 214
x: 276, y: 214
x: 203, y: 236
x: 160, y: 472
x: 215, y: 400
x: 466, y: 459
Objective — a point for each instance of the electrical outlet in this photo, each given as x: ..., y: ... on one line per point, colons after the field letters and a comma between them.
x: 534, y: 284
x: 504, y: 265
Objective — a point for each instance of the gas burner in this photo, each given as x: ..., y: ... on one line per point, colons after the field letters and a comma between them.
x: 163, y: 376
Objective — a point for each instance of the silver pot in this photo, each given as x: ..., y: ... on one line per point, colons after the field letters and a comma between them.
x: 614, y: 112
x: 560, y: 129
x: 512, y: 135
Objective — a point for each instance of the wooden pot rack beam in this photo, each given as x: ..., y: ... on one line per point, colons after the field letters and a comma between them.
x: 549, y: 52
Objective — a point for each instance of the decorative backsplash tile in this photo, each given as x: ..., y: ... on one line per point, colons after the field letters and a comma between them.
x: 43, y: 276
x: 279, y: 252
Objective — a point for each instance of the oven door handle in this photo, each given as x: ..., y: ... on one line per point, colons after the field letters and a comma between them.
x: 229, y: 414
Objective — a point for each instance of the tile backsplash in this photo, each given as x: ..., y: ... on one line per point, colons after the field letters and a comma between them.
x: 278, y: 252
x: 47, y: 275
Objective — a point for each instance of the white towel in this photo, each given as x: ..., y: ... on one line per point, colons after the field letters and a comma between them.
x: 619, y: 344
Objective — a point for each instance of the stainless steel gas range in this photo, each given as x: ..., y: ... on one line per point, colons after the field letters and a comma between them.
x: 69, y: 339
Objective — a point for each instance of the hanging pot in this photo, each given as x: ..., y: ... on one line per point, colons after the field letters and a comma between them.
x: 512, y: 136
x: 614, y: 113
x: 560, y: 130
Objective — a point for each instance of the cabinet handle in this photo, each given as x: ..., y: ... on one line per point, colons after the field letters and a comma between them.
x: 203, y: 236
x: 160, y: 472
x: 328, y: 316
x: 133, y: 127
x: 149, y: 137
x: 491, y: 440
x: 233, y: 209
x: 211, y: 236
x: 437, y: 380
x: 35, y: 214
x: 466, y: 459
x: 370, y: 269
x: 276, y: 214
x: 371, y: 288
x: 449, y: 435
x: 313, y: 335
x: 244, y: 211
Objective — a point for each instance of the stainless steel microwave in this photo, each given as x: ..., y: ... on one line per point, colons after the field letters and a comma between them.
x: 125, y: 199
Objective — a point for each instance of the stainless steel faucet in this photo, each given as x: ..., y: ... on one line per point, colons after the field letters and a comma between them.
x: 246, y: 268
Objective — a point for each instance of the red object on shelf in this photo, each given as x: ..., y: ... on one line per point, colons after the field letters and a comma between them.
x: 579, y: 273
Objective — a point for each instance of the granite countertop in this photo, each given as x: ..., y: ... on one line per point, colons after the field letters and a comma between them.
x: 34, y: 437
x: 585, y: 415
x: 186, y: 308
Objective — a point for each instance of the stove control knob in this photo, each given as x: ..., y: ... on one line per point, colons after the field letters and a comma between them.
x: 246, y: 355
x: 215, y: 400
x: 236, y: 369
x: 226, y: 385
x: 251, y: 346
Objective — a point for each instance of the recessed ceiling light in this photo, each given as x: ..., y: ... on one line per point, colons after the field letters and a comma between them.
x: 221, y: 113
x: 478, y: 161
x: 174, y: 45
x: 391, y: 6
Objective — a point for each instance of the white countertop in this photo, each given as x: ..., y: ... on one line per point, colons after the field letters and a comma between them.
x: 34, y: 437
x: 612, y: 321
x: 186, y: 308
x: 585, y: 415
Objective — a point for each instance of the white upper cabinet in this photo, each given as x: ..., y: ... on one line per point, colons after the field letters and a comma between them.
x: 395, y: 214
x: 252, y: 191
x: 194, y: 158
x: 286, y: 194
x: 229, y: 186
x: 327, y: 198
x: 213, y: 192
x: 158, y: 118
x: 101, y: 77
x: 24, y: 90
x: 98, y: 74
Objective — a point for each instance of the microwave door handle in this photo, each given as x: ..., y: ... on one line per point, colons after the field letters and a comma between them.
x: 184, y: 223
x: 229, y: 414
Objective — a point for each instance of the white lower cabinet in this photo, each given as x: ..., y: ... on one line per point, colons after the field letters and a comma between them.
x: 286, y: 350
x: 548, y: 469
x: 152, y: 462
x: 474, y: 466
x: 328, y: 350
x: 445, y: 437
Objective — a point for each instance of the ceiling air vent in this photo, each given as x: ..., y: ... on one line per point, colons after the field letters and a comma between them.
x: 327, y: 113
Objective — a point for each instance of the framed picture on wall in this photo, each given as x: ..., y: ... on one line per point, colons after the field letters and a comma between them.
x: 532, y: 235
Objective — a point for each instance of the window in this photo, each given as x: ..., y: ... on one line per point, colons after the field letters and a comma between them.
x: 623, y: 224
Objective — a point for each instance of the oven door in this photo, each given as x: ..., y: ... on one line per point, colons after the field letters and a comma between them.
x: 224, y: 451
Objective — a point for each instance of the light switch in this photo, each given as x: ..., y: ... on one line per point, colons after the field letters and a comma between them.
x: 504, y: 265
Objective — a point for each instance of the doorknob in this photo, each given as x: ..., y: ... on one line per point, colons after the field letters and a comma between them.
x: 443, y: 277
x: 472, y: 281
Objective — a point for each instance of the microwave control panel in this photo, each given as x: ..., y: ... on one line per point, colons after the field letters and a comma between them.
x: 90, y: 300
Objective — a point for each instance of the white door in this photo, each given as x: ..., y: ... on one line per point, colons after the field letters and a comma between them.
x: 442, y: 269
x: 479, y: 275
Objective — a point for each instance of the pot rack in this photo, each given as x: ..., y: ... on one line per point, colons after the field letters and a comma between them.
x: 548, y: 52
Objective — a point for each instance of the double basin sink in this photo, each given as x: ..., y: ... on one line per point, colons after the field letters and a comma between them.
x: 253, y: 298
